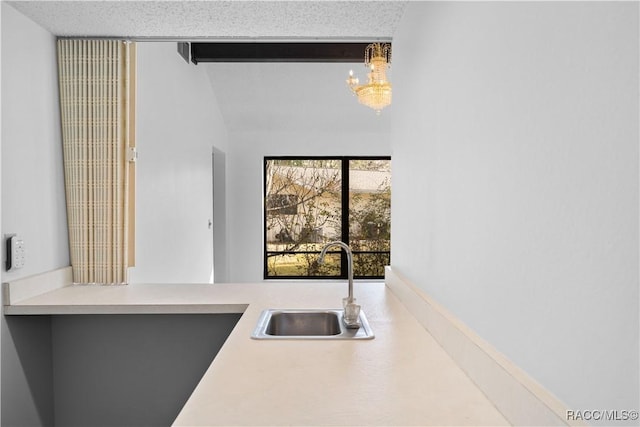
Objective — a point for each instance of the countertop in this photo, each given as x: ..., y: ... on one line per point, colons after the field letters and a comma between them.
x: 401, y: 377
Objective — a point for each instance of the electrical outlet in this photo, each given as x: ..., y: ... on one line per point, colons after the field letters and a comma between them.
x: 15, y: 253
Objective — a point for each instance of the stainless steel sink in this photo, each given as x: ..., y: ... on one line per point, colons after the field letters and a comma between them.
x: 309, y: 324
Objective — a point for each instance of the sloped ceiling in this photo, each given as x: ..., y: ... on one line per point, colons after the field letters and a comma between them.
x: 252, y: 96
x: 292, y: 98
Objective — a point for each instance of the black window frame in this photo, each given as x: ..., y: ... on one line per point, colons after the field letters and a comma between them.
x: 344, y: 219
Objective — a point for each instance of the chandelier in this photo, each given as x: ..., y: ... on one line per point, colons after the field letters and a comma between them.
x: 376, y: 93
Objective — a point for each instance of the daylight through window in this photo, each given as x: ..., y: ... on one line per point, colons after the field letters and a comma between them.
x: 312, y: 201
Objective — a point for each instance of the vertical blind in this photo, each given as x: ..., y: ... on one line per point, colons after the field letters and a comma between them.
x: 97, y: 87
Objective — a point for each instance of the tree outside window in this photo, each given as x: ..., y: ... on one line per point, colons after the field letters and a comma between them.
x: 312, y: 201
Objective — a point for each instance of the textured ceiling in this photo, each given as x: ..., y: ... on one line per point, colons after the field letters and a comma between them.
x: 252, y: 96
x: 217, y: 19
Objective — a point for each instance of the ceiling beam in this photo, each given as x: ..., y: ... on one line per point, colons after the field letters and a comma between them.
x: 277, y: 52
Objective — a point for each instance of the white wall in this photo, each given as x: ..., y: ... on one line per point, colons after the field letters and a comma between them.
x: 245, y: 236
x: 1, y: 14
x: 178, y: 124
x: 515, y: 167
x: 33, y: 199
x: 33, y: 205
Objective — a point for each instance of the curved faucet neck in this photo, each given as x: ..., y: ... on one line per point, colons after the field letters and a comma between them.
x: 347, y: 250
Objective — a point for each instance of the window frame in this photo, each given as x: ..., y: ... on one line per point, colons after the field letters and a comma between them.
x: 344, y: 219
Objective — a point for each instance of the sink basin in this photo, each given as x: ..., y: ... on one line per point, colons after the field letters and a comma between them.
x: 308, y: 324
x: 321, y: 323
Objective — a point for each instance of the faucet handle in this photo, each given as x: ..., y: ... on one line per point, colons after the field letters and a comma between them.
x: 352, y: 315
x: 345, y: 301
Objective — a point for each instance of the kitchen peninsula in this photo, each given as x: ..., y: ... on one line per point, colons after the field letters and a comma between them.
x: 402, y: 377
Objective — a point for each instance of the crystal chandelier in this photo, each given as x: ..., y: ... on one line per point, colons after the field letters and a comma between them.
x: 376, y: 93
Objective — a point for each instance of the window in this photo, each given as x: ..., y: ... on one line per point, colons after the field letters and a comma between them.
x: 311, y: 201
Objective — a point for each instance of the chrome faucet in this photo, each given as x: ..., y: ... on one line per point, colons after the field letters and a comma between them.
x: 351, y: 310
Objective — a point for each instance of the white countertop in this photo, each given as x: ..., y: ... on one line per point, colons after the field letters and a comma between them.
x: 401, y: 377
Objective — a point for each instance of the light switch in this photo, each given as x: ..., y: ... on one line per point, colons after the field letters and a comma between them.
x: 15, y: 253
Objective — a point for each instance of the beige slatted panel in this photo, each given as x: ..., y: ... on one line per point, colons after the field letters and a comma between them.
x: 97, y: 84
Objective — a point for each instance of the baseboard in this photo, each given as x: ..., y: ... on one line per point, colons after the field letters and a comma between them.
x: 517, y: 396
x: 29, y: 287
